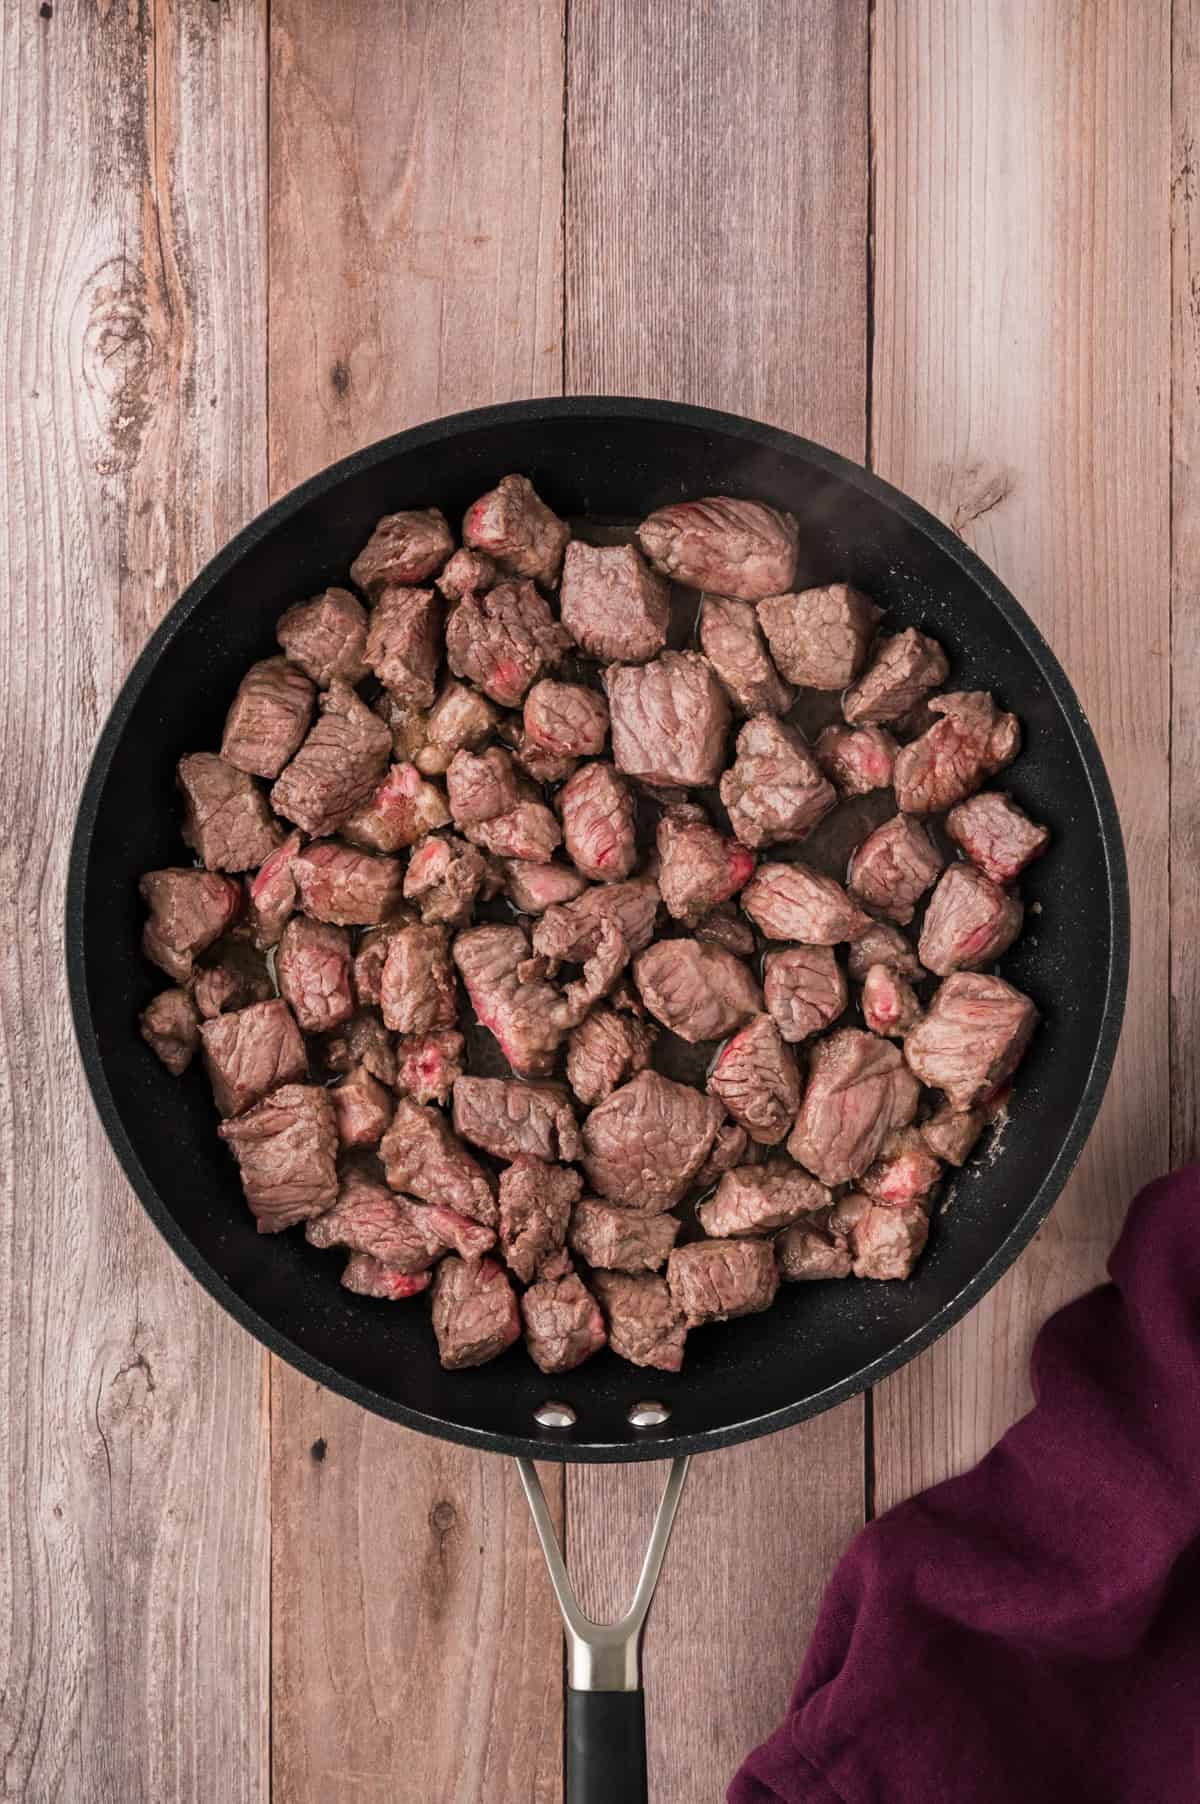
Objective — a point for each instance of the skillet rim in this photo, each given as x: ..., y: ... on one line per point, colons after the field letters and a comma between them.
x: 601, y: 408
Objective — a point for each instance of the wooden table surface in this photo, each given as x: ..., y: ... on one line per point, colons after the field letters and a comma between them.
x: 239, y: 238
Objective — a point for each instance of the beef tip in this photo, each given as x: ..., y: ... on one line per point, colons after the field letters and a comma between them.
x: 566, y: 719
x: 459, y: 720
x: 540, y: 765
x: 513, y: 525
x: 603, y: 1051
x: 758, y: 1199
x: 889, y: 1003
x: 404, y: 548
x: 645, y: 1144
x: 529, y: 831
x: 467, y: 573
x: 371, y: 957
x: 369, y: 1219
x: 820, y: 638
x: 513, y: 999
x: 731, y: 639
x: 502, y: 641
x: 337, y: 767
x: 893, y: 867
x: 368, y: 1277
x: 507, y: 1118
x: 715, y: 1280
x: 792, y: 902
x: 974, y: 1035
x: 326, y: 637
x: 270, y: 715
x: 481, y: 785
x: 808, y: 1250
x: 996, y: 835
x: 563, y: 1323
x: 570, y: 933
x: 970, y: 921
x: 404, y: 644
x: 756, y: 1078
x: 621, y: 1240
x: 226, y: 820
x: 905, y: 1171
x: 444, y: 877
x: 408, y: 726
x: 364, y: 1042
x: 727, y: 1150
x: 883, y: 945
x: 644, y: 1325
x: 273, y: 893
x: 774, y: 790
x: 535, y: 1207
x: 189, y: 909
x: 951, y: 1133
x: 347, y: 887
x: 698, y: 991
x: 613, y: 605
x: 804, y: 989
x: 857, y: 759
x: 458, y: 1233
x: 905, y: 668
x: 475, y: 1314
x: 859, y: 1090
x: 725, y: 927
x: 738, y: 548
x: 286, y: 1149
x: 533, y: 888
x: 233, y: 976
x: 363, y: 1108
x: 970, y: 743
x: 885, y: 1242
x: 598, y: 823
x: 428, y: 1065
x: 423, y: 1158
x: 170, y: 1028
x: 699, y: 868
x: 403, y: 809
x: 417, y: 989
x: 312, y: 969
x: 669, y: 719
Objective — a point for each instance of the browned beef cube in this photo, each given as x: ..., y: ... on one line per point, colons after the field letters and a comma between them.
x: 507, y: 1118
x: 368, y: 1277
x: 738, y: 548
x: 312, y: 969
x: 603, y: 1051
x: 699, y: 868
x: 326, y: 637
x: 725, y: 927
x: 337, y: 767
x: 371, y: 957
x: 645, y: 1144
x: 533, y: 888
x: 443, y: 878
x: 565, y: 719
x: 970, y: 921
x: 458, y: 1232
x: 404, y: 548
x: 598, y: 823
x: 535, y: 761
x: 571, y: 933
x: 669, y: 719
x: 698, y: 991
x: 621, y: 1240
x: 273, y: 893
x: 727, y: 1150
x: 404, y: 644
x: 363, y: 1108
x: 429, y: 1065
x: 467, y: 573
x: 417, y: 989
x: 758, y: 1199
x: 883, y: 945
x: 889, y: 1002
x: 535, y: 1207
x: 756, y: 1078
x: 270, y: 715
x: 226, y: 820
x: 893, y: 867
x: 644, y: 1325
x: 996, y: 835
x: 731, y: 639
x: 348, y: 887
x: 951, y: 1134
x: 170, y: 1028
x: 905, y: 1171
x: 859, y: 1090
x: 613, y: 606
x: 189, y: 909
x: 715, y: 1280
x: 511, y: 997
x: 408, y: 726
x: 528, y: 831
x: 475, y: 1314
x: 286, y: 1147
x: 974, y: 1035
x: 362, y: 1041
x: 885, y: 1242
x: 460, y: 719
x: 820, y: 638
x: 792, y: 902
x: 502, y: 641
x: 563, y: 1323
x: 233, y: 976
x: 804, y: 990
x: 903, y: 671
x: 481, y: 786
x: 370, y: 1220
x: 403, y: 809
x: 807, y: 1250
x: 774, y: 790
x: 857, y: 759
x: 959, y: 752
x: 515, y: 527
x: 423, y: 1158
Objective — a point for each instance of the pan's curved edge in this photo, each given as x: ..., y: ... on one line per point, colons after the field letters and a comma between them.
x: 655, y: 1445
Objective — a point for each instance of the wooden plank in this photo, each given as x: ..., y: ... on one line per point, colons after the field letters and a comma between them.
x: 716, y: 252
x: 1020, y: 390
x: 416, y: 185
x: 133, y: 1430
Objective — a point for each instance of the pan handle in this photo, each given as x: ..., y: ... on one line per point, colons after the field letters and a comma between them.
x: 606, y: 1715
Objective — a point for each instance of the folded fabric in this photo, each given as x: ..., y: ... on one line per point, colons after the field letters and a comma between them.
x: 1029, y: 1633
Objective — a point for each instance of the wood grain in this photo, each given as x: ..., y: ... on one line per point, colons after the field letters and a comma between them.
x: 716, y: 252
x: 1021, y: 390
x: 415, y: 269
x: 133, y: 1432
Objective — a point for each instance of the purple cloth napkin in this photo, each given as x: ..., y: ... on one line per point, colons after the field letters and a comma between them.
x: 1030, y: 1633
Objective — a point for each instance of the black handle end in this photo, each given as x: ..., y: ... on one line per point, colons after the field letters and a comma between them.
x: 606, y: 1747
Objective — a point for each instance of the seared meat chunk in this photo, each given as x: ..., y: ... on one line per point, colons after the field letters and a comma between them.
x: 715, y: 1280
x: 727, y: 1150
x: 738, y: 548
x: 959, y: 752
x: 481, y: 786
x: 233, y: 976
x: 270, y: 715
x: 885, y: 1242
x: 725, y: 927
x: 404, y: 644
x: 537, y: 763
x: 273, y: 893
x: 756, y: 1078
x: 598, y: 823
x: 326, y: 637
x: 792, y: 902
x: 337, y: 767
x: 502, y: 641
x: 535, y: 1207
x: 429, y: 1065
x: 808, y: 1250
x: 528, y: 831
x: 613, y: 606
x: 857, y: 760
x: 475, y: 1314
x: 349, y: 888
x: 970, y: 921
x: 368, y: 1277
x: 312, y: 969
x: 189, y: 909
x: 645, y: 1144
x: 170, y: 1028
x: 669, y: 719
x: 403, y: 809
x: 996, y: 835
x: 698, y: 991
x: 699, y: 868
x: 820, y: 638
x: 423, y: 1158
x: 571, y: 933
x: 604, y: 1050
x: 563, y: 1323
x: 974, y: 1035
x: 903, y: 671
x: 566, y: 719
x: 363, y: 1108
x: 444, y: 877
x: 513, y: 999
x: 417, y: 987
x: 506, y: 1118
x: 621, y: 1240
x: 408, y: 726
x: 859, y: 1090
x: 404, y: 548
x: 731, y: 639
x: 644, y: 1325
x: 513, y: 525
x: 369, y: 1219
x: 364, y: 1042
x: 535, y: 887
x: 467, y: 573
x: 804, y: 989
x: 905, y: 1171
x: 371, y: 957
x: 893, y: 867
x: 951, y: 1133
x: 286, y: 1148
x: 883, y: 945
x: 889, y: 1002
x: 774, y: 790
x: 757, y: 1199
x: 226, y: 820
x: 460, y: 719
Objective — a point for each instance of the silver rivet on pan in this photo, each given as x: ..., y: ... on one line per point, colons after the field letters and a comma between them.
x: 649, y: 1414
x: 554, y: 1415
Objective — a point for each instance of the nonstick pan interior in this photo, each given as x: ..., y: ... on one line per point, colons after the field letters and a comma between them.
x: 603, y: 460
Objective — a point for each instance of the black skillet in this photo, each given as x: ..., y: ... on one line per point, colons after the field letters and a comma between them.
x: 600, y: 460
